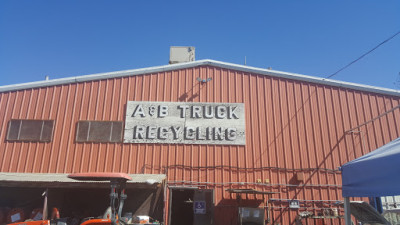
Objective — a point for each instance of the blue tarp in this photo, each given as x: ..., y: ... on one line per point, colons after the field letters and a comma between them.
x: 374, y: 174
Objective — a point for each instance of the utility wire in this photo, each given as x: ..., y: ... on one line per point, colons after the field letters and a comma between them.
x: 391, y: 37
x: 372, y: 120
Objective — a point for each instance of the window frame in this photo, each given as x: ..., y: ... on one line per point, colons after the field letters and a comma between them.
x: 44, y: 135
x: 87, y: 131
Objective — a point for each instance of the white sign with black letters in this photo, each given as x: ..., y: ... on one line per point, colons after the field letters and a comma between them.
x: 294, y: 204
x: 185, y: 123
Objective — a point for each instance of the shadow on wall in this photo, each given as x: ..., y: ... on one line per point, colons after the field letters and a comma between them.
x: 189, y: 96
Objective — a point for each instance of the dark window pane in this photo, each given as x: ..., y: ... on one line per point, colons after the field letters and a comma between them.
x: 116, y: 135
x: 100, y: 131
x: 47, y: 130
x: 82, y: 131
x: 31, y: 130
x: 13, y: 130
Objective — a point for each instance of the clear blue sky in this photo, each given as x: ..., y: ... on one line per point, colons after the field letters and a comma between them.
x: 316, y: 38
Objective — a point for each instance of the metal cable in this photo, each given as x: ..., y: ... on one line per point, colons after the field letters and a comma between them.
x: 380, y: 44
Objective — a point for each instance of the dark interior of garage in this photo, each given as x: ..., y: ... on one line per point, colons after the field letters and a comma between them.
x: 79, y: 203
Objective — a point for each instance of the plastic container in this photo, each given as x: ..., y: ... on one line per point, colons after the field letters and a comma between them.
x: 16, y: 215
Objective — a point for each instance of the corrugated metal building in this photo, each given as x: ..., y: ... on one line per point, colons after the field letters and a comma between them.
x: 298, y: 131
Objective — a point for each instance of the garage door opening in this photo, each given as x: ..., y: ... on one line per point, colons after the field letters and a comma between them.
x: 79, y: 203
x: 78, y: 199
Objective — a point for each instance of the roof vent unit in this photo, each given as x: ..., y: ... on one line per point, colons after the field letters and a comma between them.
x: 180, y: 54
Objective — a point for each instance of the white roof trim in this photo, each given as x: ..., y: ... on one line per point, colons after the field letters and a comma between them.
x: 242, y: 68
x: 63, y: 178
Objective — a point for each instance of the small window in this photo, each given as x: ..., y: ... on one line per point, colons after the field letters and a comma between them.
x: 30, y: 130
x: 99, y: 131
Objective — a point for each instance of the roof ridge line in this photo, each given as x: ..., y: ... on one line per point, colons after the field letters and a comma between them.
x: 207, y: 62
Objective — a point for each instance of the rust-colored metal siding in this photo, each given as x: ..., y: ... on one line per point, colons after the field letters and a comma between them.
x: 291, y: 127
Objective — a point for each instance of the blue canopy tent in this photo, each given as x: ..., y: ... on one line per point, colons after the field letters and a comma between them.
x: 372, y: 175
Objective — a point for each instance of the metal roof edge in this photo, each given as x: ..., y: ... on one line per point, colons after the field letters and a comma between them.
x: 164, y: 68
x: 99, y: 76
x: 301, y: 77
x: 63, y: 177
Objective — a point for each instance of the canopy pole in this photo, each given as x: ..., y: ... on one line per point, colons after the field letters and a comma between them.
x: 347, y: 213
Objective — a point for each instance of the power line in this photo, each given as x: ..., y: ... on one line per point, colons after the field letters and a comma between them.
x: 391, y: 37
